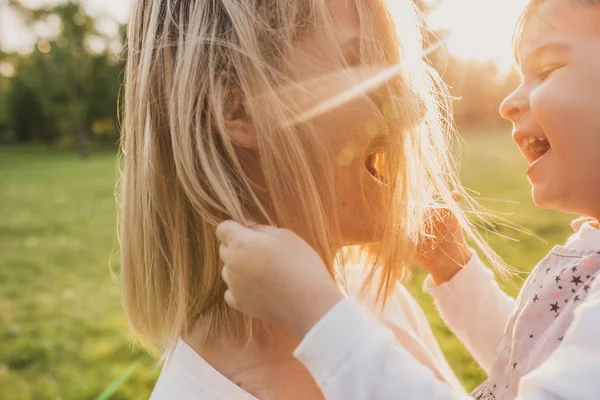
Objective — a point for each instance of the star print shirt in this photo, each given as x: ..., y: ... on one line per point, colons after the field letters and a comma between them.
x: 543, y: 312
x: 541, y: 346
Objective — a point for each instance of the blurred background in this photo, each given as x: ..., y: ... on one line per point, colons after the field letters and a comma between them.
x: 62, y: 331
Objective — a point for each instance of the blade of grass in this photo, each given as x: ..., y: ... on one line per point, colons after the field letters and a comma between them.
x: 116, y: 384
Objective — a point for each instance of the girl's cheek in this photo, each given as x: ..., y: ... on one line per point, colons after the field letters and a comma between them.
x: 543, y: 104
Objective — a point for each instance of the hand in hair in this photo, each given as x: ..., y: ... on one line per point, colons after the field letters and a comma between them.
x: 274, y: 275
x: 444, y: 251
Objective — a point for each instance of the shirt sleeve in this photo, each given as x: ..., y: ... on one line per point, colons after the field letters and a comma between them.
x: 475, y: 308
x: 352, y: 357
x: 403, y: 316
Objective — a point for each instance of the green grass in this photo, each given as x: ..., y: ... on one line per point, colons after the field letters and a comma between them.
x: 62, y: 330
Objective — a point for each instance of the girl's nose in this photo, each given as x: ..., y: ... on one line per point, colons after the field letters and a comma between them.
x: 514, y: 106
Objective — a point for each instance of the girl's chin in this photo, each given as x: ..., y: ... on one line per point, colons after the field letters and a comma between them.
x: 539, y: 197
x: 548, y: 197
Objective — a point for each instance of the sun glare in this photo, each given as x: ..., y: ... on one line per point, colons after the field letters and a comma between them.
x: 478, y: 29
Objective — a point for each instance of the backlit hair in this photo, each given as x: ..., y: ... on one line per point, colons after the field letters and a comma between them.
x: 182, y: 175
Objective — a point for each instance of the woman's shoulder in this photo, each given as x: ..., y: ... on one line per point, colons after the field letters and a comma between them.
x: 186, y: 376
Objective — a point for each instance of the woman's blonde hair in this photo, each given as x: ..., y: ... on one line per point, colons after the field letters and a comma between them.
x: 182, y: 175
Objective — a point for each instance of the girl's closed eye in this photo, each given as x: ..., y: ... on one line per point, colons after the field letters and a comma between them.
x: 547, y: 71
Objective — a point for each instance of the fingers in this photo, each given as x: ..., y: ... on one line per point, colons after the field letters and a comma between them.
x: 230, y: 300
x: 224, y: 254
x: 261, y: 228
x: 265, y: 228
x: 228, y: 230
x: 250, y: 223
x: 225, y: 275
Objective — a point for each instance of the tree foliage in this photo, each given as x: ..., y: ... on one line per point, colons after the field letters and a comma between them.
x: 63, y: 89
x: 65, y: 92
x: 478, y: 86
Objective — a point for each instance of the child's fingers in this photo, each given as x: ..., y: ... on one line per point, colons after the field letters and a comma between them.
x: 225, y: 275
x: 228, y: 230
x: 230, y: 300
x: 224, y: 254
x: 268, y: 229
x: 250, y: 223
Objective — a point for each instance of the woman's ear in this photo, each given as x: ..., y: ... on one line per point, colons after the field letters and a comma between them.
x: 238, y: 126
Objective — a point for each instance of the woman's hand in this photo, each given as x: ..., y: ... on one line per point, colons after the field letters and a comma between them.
x: 274, y: 275
x: 445, y: 251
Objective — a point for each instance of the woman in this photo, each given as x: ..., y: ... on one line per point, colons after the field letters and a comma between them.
x: 241, y: 109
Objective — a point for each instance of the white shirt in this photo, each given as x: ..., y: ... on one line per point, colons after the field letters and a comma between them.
x: 366, y: 362
x: 188, y: 377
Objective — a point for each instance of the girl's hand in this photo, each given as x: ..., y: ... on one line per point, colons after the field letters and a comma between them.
x: 274, y: 275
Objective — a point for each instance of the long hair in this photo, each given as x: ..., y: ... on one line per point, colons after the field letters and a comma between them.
x: 182, y: 175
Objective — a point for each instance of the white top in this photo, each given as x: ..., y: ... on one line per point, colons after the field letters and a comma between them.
x: 365, y: 362
x: 188, y: 377
x: 543, y: 312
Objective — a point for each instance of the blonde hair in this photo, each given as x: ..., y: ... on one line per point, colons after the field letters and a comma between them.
x: 182, y: 175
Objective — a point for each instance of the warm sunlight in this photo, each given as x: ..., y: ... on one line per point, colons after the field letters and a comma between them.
x: 479, y: 29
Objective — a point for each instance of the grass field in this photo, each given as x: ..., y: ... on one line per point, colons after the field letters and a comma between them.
x: 62, y: 331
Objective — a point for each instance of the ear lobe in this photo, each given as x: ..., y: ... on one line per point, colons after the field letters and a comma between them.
x: 238, y: 126
x: 242, y: 133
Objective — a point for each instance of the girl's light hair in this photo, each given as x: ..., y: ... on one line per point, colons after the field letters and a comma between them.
x: 531, y: 8
x: 182, y: 175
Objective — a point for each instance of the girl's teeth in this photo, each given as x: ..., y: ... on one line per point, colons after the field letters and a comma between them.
x: 526, y: 141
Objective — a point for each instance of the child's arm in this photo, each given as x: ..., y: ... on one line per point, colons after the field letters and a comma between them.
x: 465, y: 291
x: 277, y: 277
x: 364, y: 362
x: 475, y: 308
x: 351, y: 357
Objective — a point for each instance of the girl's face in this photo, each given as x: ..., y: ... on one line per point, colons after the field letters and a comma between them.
x: 556, y: 110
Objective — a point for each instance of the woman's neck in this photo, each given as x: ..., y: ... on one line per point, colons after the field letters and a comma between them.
x: 265, y: 367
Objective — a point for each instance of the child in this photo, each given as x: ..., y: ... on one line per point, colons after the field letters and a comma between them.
x: 544, y: 345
